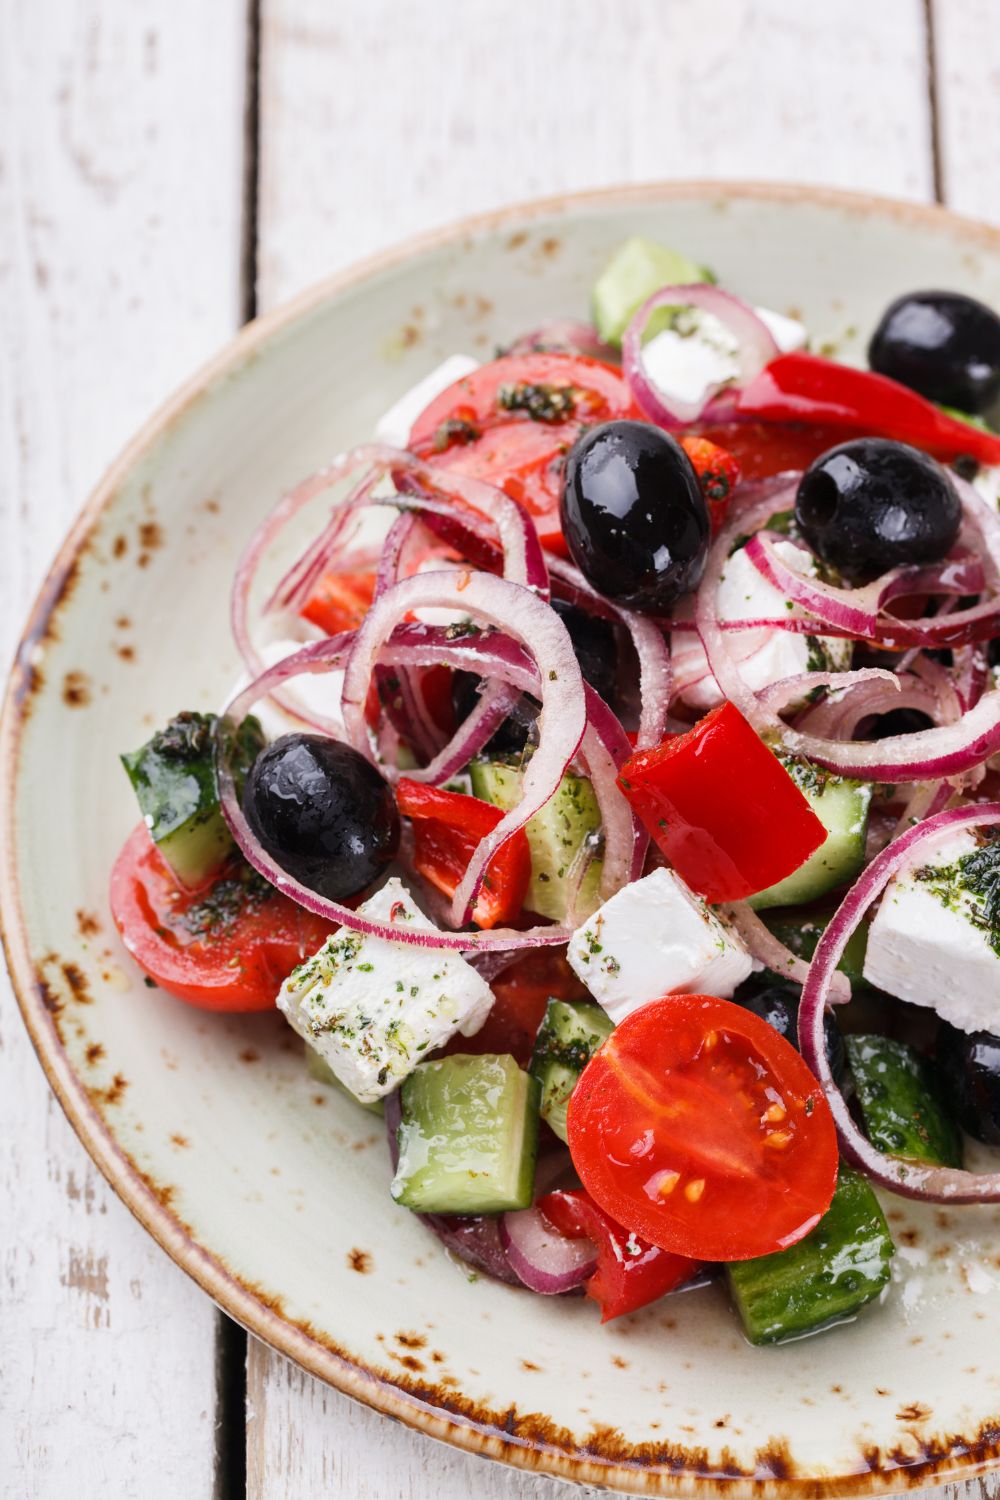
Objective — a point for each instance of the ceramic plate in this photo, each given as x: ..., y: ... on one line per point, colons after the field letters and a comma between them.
x: 273, y: 1192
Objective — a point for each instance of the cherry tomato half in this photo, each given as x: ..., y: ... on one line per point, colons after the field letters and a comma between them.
x: 700, y: 1128
x: 512, y: 422
x: 227, y: 946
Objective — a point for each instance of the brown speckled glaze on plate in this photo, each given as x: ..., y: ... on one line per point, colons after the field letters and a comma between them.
x: 271, y: 1192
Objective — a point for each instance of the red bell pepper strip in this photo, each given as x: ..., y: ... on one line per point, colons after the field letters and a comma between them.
x: 722, y: 807
x: 630, y: 1271
x: 340, y: 601
x: 718, y: 475
x: 806, y: 388
x: 447, y: 826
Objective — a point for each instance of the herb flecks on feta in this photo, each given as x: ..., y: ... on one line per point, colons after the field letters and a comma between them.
x: 652, y: 938
x: 935, y: 940
x: 373, y: 1008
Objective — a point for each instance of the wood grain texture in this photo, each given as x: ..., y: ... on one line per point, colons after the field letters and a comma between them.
x: 119, y: 271
x: 967, y: 69
x: 379, y: 120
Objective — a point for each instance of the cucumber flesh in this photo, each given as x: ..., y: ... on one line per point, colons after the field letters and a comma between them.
x: 569, y: 1036
x: 173, y: 777
x: 800, y: 932
x: 638, y: 268
x: 842, y: 807
x: 826, y: 1278
x: 557, y: 836
x: 900, y: 1101
x: 468, y: 1136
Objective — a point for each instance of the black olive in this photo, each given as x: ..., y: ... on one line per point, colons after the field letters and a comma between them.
x: 323, y: 812
x: 870, y: 505
x: 942, y: 344
x: 970, y: 1068
x: 633, y: 515
x: 779, y: 1007
x: 594, y: 646
x: 993, y: 652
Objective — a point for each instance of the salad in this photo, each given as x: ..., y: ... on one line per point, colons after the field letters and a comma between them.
x: 612, y: 801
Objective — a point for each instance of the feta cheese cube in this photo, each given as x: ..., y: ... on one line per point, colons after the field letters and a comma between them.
x: 765, y: 656
x: 395, y: 425
x: 656, y: 937
x: 930, y: 944
x: 697, y: 352
x: 373, y: 1008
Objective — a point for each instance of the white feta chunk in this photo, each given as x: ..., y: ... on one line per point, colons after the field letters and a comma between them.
x: 930, y: 943
x: 765, y: 656
x: 373, y: 1008
x: 656, y: 937
x: 697, y: 352
x: 395, y: 425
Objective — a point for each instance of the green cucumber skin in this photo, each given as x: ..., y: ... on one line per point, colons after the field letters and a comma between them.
x: 569, y: 1036
x: 174, y: 784
x: 842, y: 807
x: 901, y: 1102
x: 638, y: 268
x: 555, y: 836
x: 826, y: 1278
x: 800, y: 935
x: 468, y: 1137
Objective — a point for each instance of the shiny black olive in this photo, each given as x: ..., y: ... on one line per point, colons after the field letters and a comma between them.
x: 970, y: 1068
x: 633, y: 515
x: 870, y: 505
x: 942, y: 344
x: 594, y: 646
x: 779, y: 1007
x: 323, y: 812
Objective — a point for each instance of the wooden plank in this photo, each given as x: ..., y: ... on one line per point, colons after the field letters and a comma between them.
x: 379, y: 120
x: 382, y: 119
x: 119, y: 271
x: 967, y: 89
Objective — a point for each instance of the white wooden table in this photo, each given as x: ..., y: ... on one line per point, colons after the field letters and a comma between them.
x: 167, y: 168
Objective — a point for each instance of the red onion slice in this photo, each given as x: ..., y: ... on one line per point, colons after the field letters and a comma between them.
x: 545, y: 1261
x: 320, y: 656
x: 755, y: 349
x: 772, y: 953
x: 511, y: 608
x: 933, y: 1184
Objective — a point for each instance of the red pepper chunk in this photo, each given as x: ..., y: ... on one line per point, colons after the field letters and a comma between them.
x: 722, y: 807
x: 807, y: 388
x: 447, y: 826
x: 630, y: 1271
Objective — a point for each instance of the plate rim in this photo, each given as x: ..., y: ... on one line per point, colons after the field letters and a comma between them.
x: 442, y: 1417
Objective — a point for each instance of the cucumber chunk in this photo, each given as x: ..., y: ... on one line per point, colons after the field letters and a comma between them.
x: 800, y: 933
x: 824, y: 1279
x: 569, y: 1036
x: 842, y: 807
x: 468, y: 1136
x: 638, y: 268
x: 556, y: 837
x: 174, y: 781
x: 901, y: 1103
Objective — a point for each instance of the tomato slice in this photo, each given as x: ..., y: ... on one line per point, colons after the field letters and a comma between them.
x: 227, y: 946
x: 630, y: 1273
x: 521, y: 993
x: 512, y: 422
x: 765, y: 448
x: 718, y: 475
x: 698, y: 1126
x: 340, y: 601
x: 447, y: 826
x: 722, y: 807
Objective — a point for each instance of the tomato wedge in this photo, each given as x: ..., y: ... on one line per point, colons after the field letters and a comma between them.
x: 227, y: 946
x: 722, y: 807
x: 698, y: 1126
x: 630, y: 1273
x: 718, y: 475
x: 765, y: 448
x: 447, y: 826
x: 512, y: 422
x: 340, y: 601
